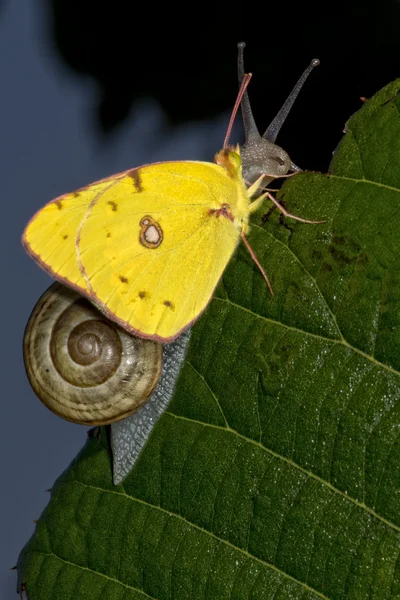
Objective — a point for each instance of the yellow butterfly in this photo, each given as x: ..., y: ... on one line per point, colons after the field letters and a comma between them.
x: 149, y: 245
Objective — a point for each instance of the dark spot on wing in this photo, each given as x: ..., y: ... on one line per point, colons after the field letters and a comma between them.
x: 108, y: 234
x: 123, y: 279
x: 113, y: 205
x: 58, y: 203
x: 137, y: 180
x: 75, y: 194
x: 65, y: 236
x: 169, y: 304
x: 142, y: 295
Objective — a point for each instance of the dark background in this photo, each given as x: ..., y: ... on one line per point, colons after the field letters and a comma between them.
x: 86, y: 92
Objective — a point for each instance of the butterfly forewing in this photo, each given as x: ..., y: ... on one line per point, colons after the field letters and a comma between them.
x: 152, y: 249
x: 50, y: 236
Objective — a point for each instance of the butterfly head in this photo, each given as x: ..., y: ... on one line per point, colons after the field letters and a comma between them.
x: 229, y: 159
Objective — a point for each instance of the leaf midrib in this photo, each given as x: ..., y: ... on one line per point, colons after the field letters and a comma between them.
x: 341, y: 342
x: 218, y: 539
x: 112, y: 579
x: 290, y: 462
x: 369, y: 181
x: 296, y: 258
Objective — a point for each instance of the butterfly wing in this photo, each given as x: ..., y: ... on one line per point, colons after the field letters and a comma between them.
x: 50, y: 236
x: 153, y: 246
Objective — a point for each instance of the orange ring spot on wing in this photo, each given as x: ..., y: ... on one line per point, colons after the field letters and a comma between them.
x: 151, y: 235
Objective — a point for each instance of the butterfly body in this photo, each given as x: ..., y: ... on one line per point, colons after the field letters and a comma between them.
x: 149, y: 245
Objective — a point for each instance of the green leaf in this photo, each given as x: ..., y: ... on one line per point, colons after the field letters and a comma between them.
x: 275, y: 473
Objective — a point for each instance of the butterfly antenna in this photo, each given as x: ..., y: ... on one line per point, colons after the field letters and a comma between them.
x: 254, y: 257
x: 274, y: 127
x: 242, y: 90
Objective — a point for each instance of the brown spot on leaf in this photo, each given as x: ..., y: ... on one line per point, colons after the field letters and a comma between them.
x: 337, y: 254
x: 317, y: 255
x: 326, y: 268
x: 352, y: 246
x: 340, y: 257
x: 339, y: 240
x: 113, y: 205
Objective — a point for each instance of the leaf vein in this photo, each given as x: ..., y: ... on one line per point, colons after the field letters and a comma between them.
x: 221, y: 541
x: 290, y: 462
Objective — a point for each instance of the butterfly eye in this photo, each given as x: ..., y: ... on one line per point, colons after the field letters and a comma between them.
x: 235, y: 158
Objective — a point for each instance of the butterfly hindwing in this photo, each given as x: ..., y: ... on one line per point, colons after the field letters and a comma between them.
x: 152, y: 248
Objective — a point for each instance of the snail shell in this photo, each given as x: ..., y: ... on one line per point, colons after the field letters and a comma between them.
x: 83, y: 367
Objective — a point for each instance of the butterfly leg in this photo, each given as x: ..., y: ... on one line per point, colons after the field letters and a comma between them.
x: 254, y: 257
x: 255, y: 205
x: 283, y: 209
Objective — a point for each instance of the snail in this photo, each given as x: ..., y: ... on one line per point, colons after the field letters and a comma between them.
x: 260, y: 155
x: 82, y: 366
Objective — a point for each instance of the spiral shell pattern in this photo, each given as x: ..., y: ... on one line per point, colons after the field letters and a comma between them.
x: 82, y: 366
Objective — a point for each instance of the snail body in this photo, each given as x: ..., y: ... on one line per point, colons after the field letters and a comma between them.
x: 82, y: 366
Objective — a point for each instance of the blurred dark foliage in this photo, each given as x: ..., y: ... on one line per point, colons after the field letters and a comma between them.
x: 185, y: 56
